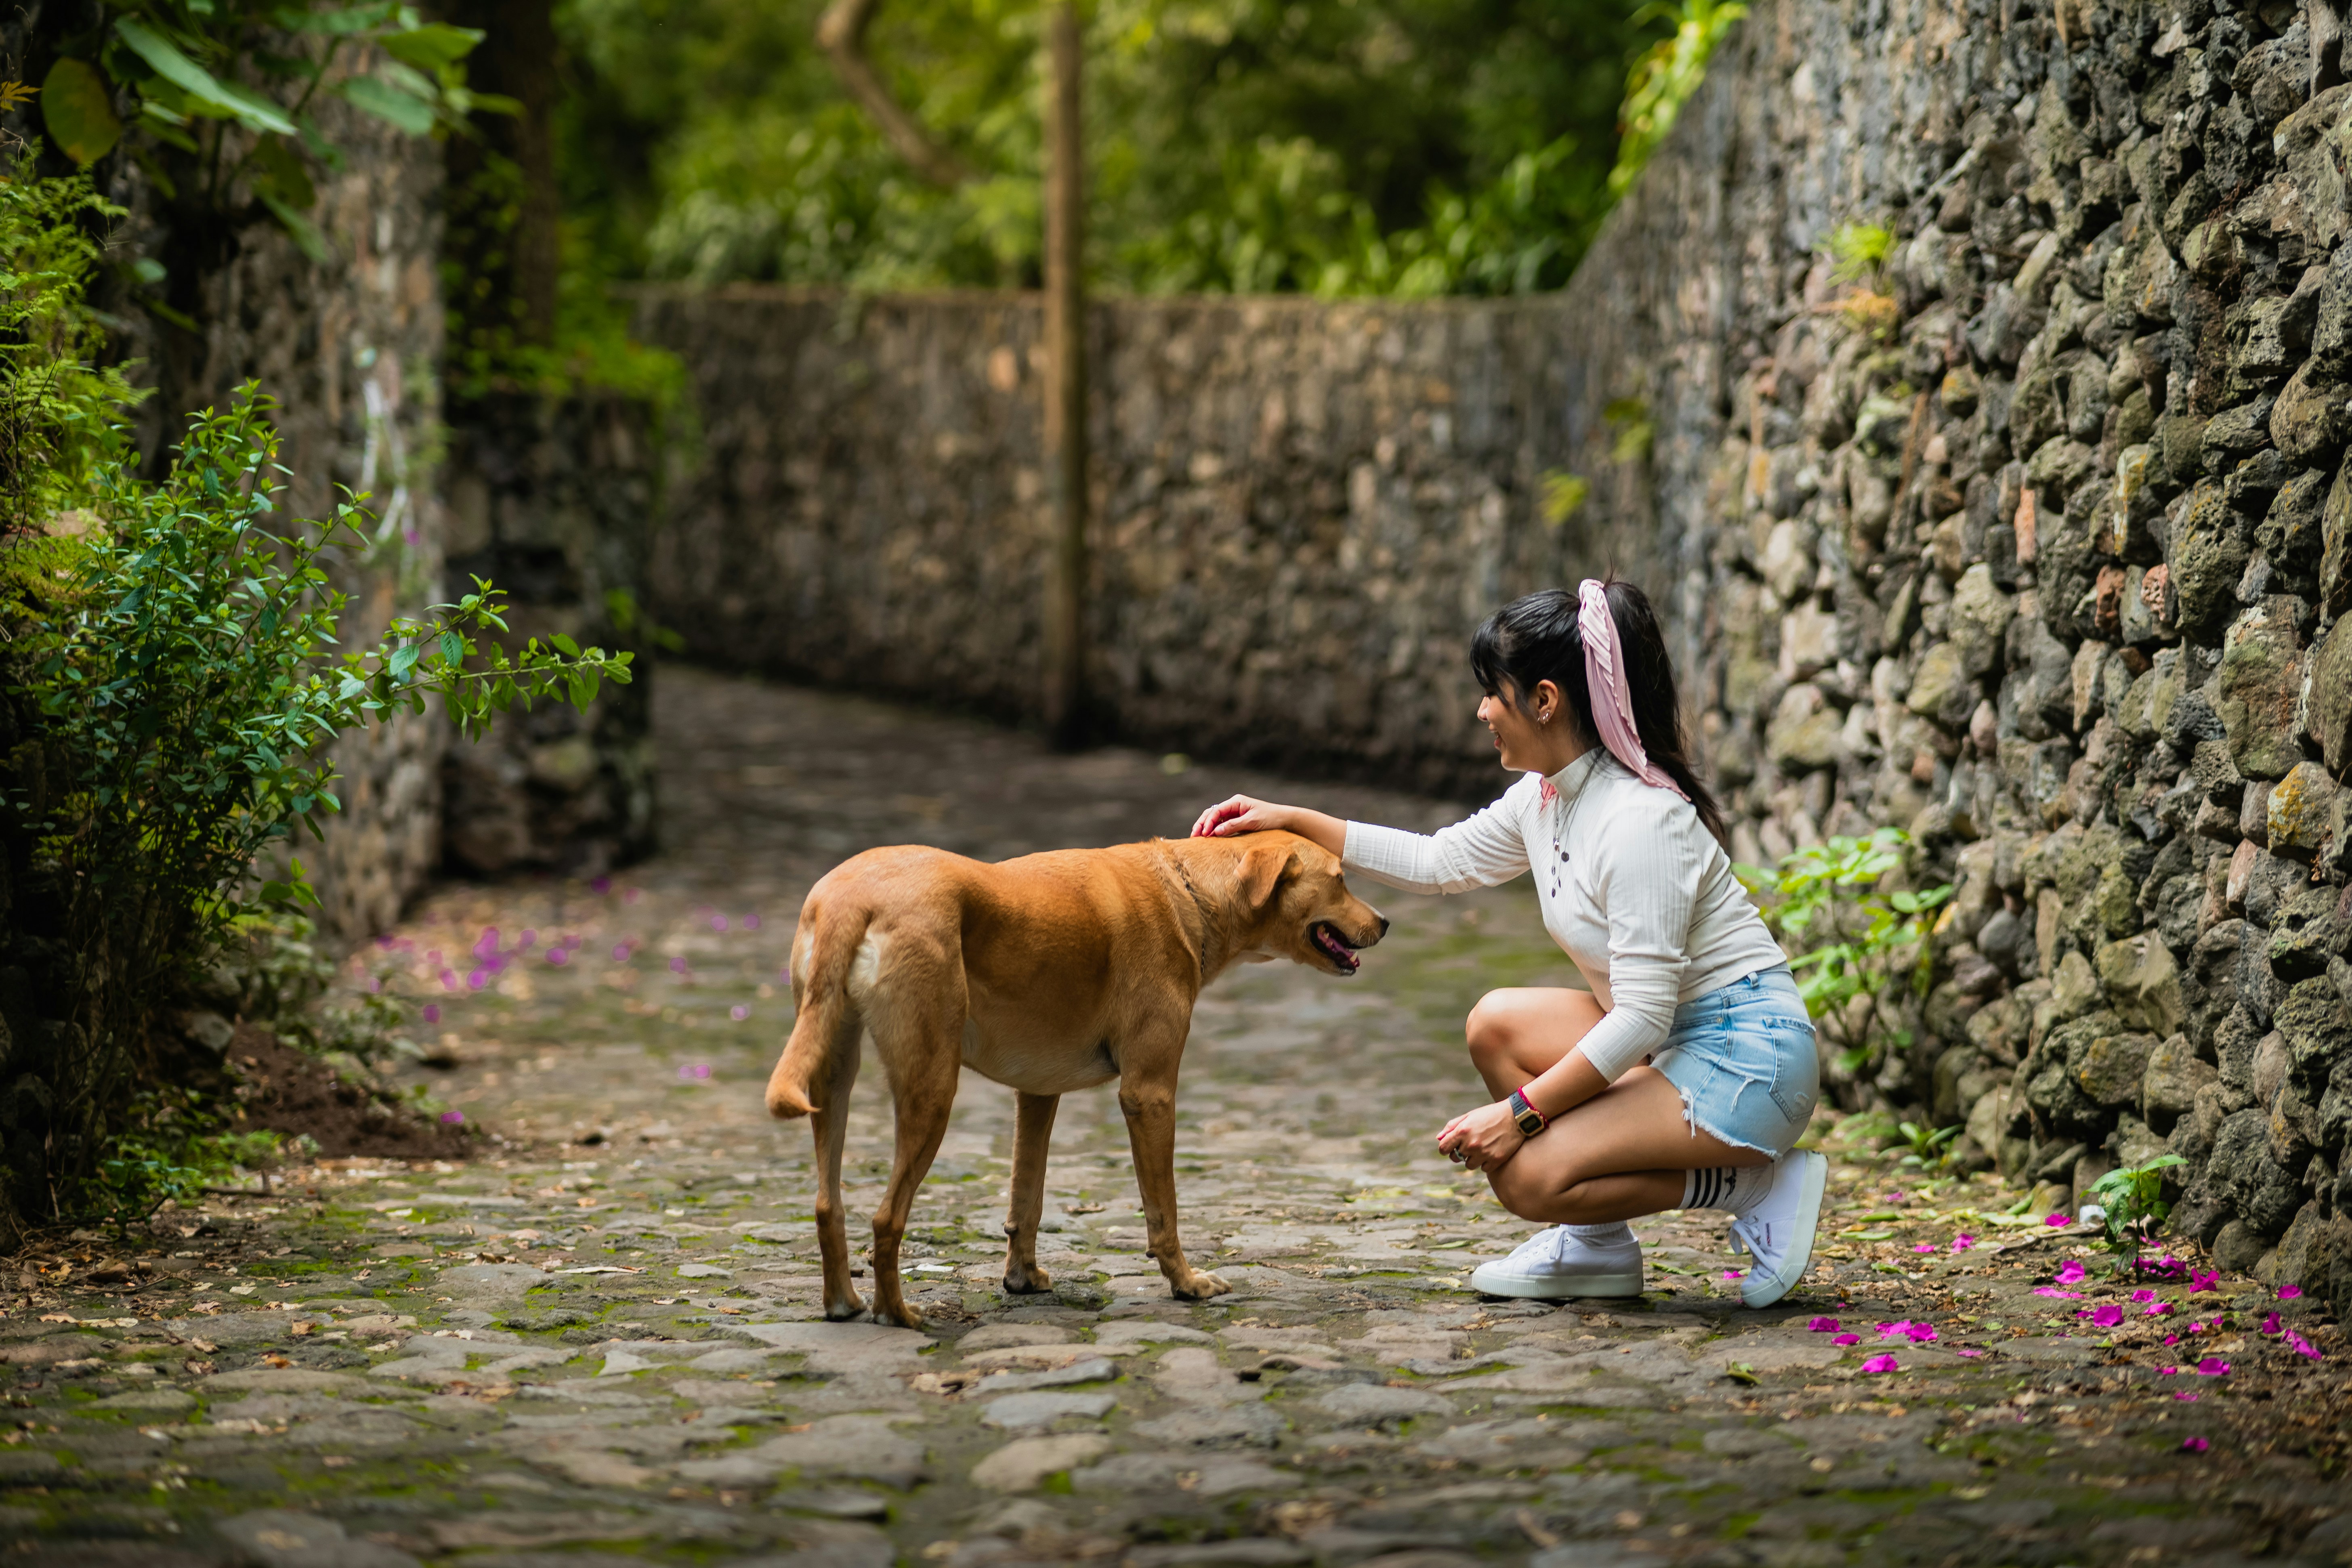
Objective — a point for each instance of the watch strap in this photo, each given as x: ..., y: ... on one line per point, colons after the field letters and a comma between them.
x: 1530, y: 1120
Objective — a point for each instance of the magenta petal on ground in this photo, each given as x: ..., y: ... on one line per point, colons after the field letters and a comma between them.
x: 2056, y: 1220
x: 2070, y: 1272
x: 1882, y: 1363
x: 2188, y: 1393
x: 1823, y: 1325
x: 1924, y: 1246
x: 2143, y: 1296
x: 678, y: 966
x: 1731, y: 1273
x: 2213, y: 1366
x: 432, y: 1012
x: 751, y: 922
x: 619, y: 953
x: 2203, y: 1278
x: 1962, y: 1350
x: 453, y: 1118
x: 2105, y: 1316
x: 2271, y: 1323
x: 2194, y: 1444
x: 1961, y: 1243
x: 601, y: 886
x: 1847, y: 1339
x: 1923, y: 1334
x: 739, y: 1013
x: 2156, y: 1308
x: 2289, y: 1292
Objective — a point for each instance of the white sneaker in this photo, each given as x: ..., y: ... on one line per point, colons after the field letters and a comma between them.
x: 1778, y: 1233
x: 1556, y: 1265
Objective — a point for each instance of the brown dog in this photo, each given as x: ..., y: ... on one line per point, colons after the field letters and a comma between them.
x: 1047, y: 973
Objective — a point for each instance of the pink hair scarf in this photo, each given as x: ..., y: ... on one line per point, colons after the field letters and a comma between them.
x: 1604, y: 676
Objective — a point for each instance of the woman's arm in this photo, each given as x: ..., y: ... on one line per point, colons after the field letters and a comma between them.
x: 1479, y: 851
x: 1243, y: 814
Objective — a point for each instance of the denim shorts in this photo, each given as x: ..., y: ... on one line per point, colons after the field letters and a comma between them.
x: 1743, y: 1058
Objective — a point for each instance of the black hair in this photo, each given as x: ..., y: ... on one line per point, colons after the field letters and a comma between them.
x: 1535, y: 639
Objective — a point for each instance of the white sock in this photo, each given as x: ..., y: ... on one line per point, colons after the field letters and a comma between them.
x: 1616, y: 1230
x: 1735, y: 1189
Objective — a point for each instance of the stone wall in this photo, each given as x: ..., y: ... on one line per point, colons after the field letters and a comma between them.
x: 552, y: 499
x: 2018, y: 516
x: 2038, y: 539
x: 1301, y: 509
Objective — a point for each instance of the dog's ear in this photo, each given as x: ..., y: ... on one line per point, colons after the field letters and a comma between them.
x: 1263, y: 867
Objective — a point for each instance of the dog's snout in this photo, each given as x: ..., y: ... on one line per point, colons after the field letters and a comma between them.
x: 1384, y: 922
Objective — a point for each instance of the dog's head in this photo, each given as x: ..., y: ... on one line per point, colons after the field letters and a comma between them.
x: 1295, y: 904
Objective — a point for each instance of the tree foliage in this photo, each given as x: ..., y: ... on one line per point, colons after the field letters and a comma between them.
x: 1331, y: 146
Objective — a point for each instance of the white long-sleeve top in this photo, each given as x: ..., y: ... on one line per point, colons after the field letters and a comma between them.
x: 1633, y: 889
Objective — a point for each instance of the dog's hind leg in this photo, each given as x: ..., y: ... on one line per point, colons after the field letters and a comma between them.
x: 1032, y: 1131
x: 830, y: 1124
x: 921, y: 1049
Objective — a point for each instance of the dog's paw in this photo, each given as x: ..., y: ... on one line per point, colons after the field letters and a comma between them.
x: 842, y: 1309
x: 1199, y: 1287
x: 904, y: 1317
x: 1027, y: 1282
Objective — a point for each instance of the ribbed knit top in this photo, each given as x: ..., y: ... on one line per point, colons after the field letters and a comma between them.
x: 1633, y: 889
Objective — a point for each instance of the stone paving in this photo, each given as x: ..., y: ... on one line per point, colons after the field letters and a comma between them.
x: 600, y: 1341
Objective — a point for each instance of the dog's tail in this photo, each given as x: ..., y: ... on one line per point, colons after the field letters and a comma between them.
x: 823, y: 949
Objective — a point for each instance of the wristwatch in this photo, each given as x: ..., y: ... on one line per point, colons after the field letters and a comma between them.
x: 1530, y: 1120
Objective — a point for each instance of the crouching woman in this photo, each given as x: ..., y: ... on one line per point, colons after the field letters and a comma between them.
x: 1683, y: 1078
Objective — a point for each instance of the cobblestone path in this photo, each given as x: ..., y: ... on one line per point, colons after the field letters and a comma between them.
x: 599, y: 1342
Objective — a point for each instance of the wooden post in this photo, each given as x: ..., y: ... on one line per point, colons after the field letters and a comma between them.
x: 1066, y: 384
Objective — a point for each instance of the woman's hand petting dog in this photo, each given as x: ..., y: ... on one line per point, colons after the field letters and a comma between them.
x: 1240, y: 813
x: 1482, y: 1140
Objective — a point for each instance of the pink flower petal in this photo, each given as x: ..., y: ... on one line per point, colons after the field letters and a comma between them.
x: 2143, y: 1296
x: 2213, y: 1366
x: 2188, y: 1393
x: 1971, y: 1354
x: 432, y: 1012
x: 2156, y: 1308
x: 2271, y: 1323
x: 453, y: 1118
x: 2061, y: 1295
x: 1732, y: 1274
x: 1847, y: 1339
x: 2203, y: 1278
x: 2289, y: 1292
x: 739, y: 1013
x: 2056, y: 1220
x: 2105, y: 1316
x: 1823, y: 1325
x: 1879, y: 1363
x: 2194, y: 1444
x: 2070, y: 1272
x: 1962, y: 1242
x: 1924, y: 1246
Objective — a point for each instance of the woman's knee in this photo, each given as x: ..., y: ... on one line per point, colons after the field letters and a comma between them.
x: 1492, y: 1029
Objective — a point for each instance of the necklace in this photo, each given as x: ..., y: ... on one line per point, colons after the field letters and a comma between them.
x: 1559, y: 862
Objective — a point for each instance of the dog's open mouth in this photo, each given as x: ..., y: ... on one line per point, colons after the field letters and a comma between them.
x: 1336, y: 947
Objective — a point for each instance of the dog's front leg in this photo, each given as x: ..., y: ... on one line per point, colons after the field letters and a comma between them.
x: 1033, y: 1133
x: 1151, y: 1107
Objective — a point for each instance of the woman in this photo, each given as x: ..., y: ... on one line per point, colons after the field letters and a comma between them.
x: 1683, y: 1078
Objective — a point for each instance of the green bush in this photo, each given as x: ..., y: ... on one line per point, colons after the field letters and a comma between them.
x: 1847, y: 939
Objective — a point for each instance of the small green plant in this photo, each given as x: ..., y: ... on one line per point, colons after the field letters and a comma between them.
x: 1663, y: 79
x: 1858, y: 251
x: 1631, y: 428
x: 171, y: 1148
x: 1847, y: 939
x: 1930, y: 1149
x: 2134, y: 1201
x: 1563, y: 496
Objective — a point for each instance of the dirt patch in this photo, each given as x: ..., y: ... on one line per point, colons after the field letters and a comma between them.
x: 285, y: 1091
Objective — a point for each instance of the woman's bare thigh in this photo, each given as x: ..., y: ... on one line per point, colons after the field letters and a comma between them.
x: 1635, y: 1126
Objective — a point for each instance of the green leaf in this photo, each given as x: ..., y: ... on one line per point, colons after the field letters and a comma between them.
x: 453, y: 647
x: 432, y: 47
x: 565, y: 646
x: 77, y: 111
x: 387, y: 102
x: 279, y: 171
x: 250, y: 108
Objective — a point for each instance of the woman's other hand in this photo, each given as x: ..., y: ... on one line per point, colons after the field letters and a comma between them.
x: 1242, y: 814
x: 1485, y: 1138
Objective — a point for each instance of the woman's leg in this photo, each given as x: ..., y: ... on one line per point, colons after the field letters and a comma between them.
x: 1619, y: 1155
x: 1522, y: 1032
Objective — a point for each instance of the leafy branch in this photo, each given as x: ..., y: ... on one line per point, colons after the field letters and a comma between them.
x: 1847, y: 939
x: 234, y: 86
x: 191, y: 683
